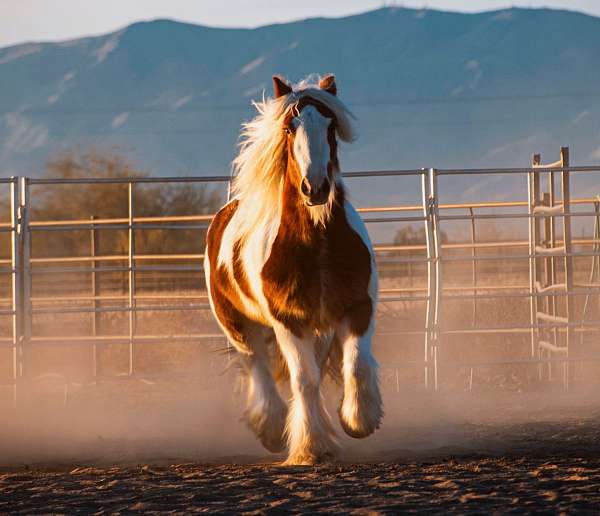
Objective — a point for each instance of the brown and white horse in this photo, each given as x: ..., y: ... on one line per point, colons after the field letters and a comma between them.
x: 291, y: 274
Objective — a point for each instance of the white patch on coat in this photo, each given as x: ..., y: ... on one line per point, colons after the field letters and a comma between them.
x: 309, y: 431
x: 362, y: 407
x: 312, y: 153
x: 311, y: 148
x: 357, y: 224
x: 256, y: 250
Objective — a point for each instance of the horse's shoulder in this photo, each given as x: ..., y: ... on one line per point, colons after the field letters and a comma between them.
x: 223, y: 216
x: 219, y: 224
x: 357, y: 225
x: 363, y: 263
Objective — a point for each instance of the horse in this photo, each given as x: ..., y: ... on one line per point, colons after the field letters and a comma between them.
x: 291, y: 275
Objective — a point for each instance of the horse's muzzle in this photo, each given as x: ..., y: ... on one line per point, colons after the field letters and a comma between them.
x: 315, y: 197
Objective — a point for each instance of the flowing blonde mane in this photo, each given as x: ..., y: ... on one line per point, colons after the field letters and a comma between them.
x: 260, y: 165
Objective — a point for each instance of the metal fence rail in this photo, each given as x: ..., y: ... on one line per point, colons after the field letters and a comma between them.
x: 550, y: 333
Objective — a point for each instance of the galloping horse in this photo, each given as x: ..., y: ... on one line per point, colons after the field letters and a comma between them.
x: 291, y: 274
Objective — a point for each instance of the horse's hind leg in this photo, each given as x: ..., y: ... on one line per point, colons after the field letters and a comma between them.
x: 265, y: 411
x: 310, y: 435
x: 361, y: 409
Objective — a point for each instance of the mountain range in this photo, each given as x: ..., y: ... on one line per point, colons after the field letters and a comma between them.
x: 428, y: 88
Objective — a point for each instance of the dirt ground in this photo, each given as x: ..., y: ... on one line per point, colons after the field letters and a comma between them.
x: 435, y: 453
x: 449, y: 485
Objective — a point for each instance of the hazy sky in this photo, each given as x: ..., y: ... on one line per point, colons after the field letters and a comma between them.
x: 42, y: 20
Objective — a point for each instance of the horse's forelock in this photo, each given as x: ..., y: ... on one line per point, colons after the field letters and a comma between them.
x: 331, y: 104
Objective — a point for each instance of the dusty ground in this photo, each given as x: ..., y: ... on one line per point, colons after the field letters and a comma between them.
x: 502, y: 484
x: 433, y: 455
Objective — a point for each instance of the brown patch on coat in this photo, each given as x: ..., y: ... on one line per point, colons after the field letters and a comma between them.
x: 333, y: 165
x: 348, y: 265
x: 226, y: 302
x: 291, y: 282
x: 317, y: 276
x: 239, y: 274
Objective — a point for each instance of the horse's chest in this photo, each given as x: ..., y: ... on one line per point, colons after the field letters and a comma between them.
x: 315, y: 281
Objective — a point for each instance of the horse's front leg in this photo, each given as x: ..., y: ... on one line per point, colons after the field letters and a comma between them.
x: 310, y: 435
x: 361, y: 409
x: 265, y: 411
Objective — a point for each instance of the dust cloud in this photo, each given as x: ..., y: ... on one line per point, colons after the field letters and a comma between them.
x: 198, y: 420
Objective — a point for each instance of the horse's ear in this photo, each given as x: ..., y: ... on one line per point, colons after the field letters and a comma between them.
x: 327, y: 83
x: 280, y: 87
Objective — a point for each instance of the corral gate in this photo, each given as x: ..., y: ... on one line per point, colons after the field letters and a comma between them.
x: 552, y: 324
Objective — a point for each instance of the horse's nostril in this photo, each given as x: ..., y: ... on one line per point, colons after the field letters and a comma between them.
x: 305, y: 187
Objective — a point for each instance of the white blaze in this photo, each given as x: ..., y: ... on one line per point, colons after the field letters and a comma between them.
x: 311, y: 148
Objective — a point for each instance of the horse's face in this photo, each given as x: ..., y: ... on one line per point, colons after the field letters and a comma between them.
x: 310, y: 131
x: 309, y: 143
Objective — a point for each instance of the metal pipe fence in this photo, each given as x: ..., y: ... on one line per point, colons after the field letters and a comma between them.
x: 550, y: 334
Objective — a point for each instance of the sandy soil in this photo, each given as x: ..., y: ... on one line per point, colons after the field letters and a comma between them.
x: 502, y: 484
x: 549, y: 462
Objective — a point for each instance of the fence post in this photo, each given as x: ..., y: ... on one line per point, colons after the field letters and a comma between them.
x: 533, y: 190
x: 430, y: 210
x: 566, y: 208
x: 474, y: 266
x: 95, y: 292
x: 552, y: 244
x: 429, y: 309
x: 25, y: 284
x: 16, y: 274
x: 592, y: 277
x: 435, y: 221
x: 131, y: 282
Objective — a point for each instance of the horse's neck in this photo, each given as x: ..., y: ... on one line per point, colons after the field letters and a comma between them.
x: 295, y: 218
x: 294, y: 215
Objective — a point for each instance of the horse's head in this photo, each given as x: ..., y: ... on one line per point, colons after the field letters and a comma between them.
x: 311, y: 142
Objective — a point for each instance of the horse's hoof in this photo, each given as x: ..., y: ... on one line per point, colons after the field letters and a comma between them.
x: 356, y: 425
x: 310, y: 459
x: 357, y: 432
x: 269, y: 427
x: 275, y: 443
